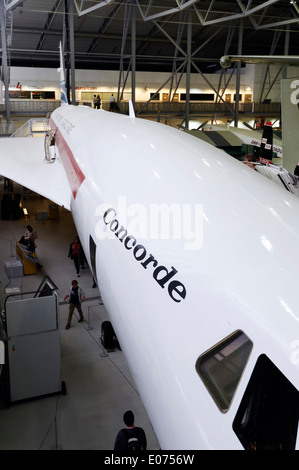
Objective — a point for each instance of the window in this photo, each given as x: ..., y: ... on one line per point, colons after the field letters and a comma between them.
x: 267, y: 418
x: 26, y: 95
x: 43, y: 95
x: 155, y: 96
x: 35, y: 95
x: 240, y: 97
x: 14, y: 94
x: 198, y: 96
x: 221, y: 367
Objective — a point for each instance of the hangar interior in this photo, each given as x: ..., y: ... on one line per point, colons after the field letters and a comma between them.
x: 183, y: 40
x: 99, y: 386
x: 180, y: 39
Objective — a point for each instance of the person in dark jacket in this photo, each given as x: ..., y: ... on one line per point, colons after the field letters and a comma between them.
x: 130, y: 432
x: 75, y: 254
x: 75, y: 298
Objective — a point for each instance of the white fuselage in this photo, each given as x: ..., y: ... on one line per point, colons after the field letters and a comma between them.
x: 232, y: 262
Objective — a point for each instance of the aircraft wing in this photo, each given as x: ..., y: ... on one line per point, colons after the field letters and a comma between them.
x: 22, y: 159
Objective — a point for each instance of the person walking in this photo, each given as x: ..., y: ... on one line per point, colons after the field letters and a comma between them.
x: 75, y: 299
x: 131, y: 437
x: 75, y: 253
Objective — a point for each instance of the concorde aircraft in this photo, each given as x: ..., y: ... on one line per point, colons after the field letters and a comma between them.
x: 203, y: 300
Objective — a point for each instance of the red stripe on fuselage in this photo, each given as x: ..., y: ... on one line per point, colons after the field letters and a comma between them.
x: 74, y: 173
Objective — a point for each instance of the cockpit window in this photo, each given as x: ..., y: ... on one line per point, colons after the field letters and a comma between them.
x: 268, y: 416
x: 221, y: 367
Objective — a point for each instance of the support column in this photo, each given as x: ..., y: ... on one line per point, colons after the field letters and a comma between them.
x: 286, y: 50
x: 238, y: 79
x: 4, y: 58
x: 67, y: 48
x: 189, y: 39
x: 72, y: 46
x: 133, y: 52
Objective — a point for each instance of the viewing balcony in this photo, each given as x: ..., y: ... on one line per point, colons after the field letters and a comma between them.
x: 150, y: 109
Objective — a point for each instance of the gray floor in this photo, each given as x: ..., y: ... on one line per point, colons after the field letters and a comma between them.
x: 99, y: 385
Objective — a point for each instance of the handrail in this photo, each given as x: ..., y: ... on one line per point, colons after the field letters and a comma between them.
x: 31, y: 127
x: 27, y: 107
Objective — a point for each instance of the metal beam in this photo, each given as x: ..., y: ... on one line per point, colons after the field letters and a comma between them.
x: 226, y: 61
x: 4, y: 58
x: 105, y: 24
x: 72, y: 48
x: 13, y: 4
x: 278, y: 23
x: 185, y: 55
x: 286, y: 50
x: 48, y: 24
x: 162, y: 86
x: 66, y: 47
x: 172, y: 89
x: 122, y: 81
x: 82, y: 12
x: 244, y: 13
x: 188, y: 71
x: 133, y: 51
x: 238, y: 80
x: 169, y: 11
x: 267, y: 72
x: 229, y: 39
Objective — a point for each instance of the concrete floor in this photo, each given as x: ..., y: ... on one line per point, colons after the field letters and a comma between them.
x: 99, y: 385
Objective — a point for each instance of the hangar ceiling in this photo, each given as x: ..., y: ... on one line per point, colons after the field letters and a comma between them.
x: 102, y: 31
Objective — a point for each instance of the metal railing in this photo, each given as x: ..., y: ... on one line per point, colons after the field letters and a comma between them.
x: 43, y: 107
x: 33, y: 106
x: 34, y: 126
x: 6, y: 128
